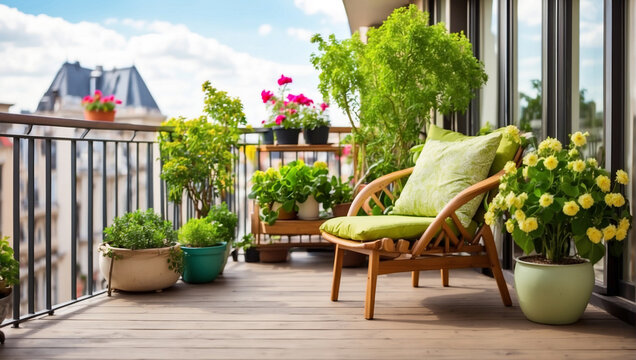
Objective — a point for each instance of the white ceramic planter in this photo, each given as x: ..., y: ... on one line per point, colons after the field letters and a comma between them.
x: 309, y: 210
x: 138, y: 270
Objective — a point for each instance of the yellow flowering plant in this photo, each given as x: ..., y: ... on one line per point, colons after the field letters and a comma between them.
x: 557, y: 198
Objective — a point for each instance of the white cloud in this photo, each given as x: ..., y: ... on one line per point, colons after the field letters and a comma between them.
x: 529, y: 12
x: 264, y: 29
x: 300, y: 34
x: 173, y: 60
x: 591, y: 34
x: 334, y: 9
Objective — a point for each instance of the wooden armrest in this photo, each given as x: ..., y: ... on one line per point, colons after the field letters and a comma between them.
x: 374, y: 187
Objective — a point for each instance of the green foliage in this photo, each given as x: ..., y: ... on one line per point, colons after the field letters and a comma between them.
x: 341, y: 192
x: 9, y: 267
x: 140, y: 230
x: 391, y: 86
x: 312, y: 117
x: 201, y: 233
x: 227, y: 221
x: 290, y: 185
x: 247, y: 241
x: 198, y: 155
x: 557, y: 197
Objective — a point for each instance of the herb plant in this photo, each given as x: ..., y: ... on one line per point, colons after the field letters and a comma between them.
x: 341, y: 192
x: 9, y: 266
x: 227, y: 221
x: 140, y: 230
x: 200, y: 233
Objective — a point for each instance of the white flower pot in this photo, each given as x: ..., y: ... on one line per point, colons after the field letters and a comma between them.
x: 309, y: 210
x: 138, y: 270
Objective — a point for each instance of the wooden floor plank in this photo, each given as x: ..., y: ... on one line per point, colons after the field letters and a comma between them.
x: 282, y: 311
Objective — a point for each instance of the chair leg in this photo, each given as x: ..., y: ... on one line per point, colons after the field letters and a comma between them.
x: 495, y: 266
x: 337, y: 272
x: 372, y: 279
x: 444, y: 274
x: 415, y: 278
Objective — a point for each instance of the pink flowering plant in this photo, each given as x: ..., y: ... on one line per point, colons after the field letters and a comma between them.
x: 314, y: 117
x: 558, y: 202
x: 99, y: 102
x: 287, y: 110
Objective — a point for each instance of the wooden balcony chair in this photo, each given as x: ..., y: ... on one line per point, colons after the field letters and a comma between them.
x: 397, y: 243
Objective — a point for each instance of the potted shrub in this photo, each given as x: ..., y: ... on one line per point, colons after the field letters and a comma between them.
x: 247, y: 245
x: 565, y: 208
x: 198, y: 155
x: 227, y: 229
x: 315, y: 124
x: 310, y: 186
x: 340, y: 197
x: 140, y: 253
x: 9, y: 276
x: 203, y: 250
x: 274, y: 200
x: 99, y: 107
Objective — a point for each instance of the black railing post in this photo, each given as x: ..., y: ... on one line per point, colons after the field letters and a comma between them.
x: 149, y: 175
x: 47, y: 150
x: 16, y: 223
x: 128, y: 179
x: 73, y: 219
x: 89, y: 272
x: 104, y: 189
x: 116, y: 178
x: 31, y: 222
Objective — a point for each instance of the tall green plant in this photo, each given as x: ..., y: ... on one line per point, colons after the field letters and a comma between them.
x: 406, y: 72
x: 197, y: 156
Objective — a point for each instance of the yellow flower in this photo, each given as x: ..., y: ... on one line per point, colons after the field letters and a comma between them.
x: 520, y: 215
x: 594, y: 235
x: 624, y: 224
x: 592, y: 162
x: 578, y: 138
x: 621, y: 234
x: 320, y: 164
x: 502, y: 186
x: 524, y: 172
x: 550, y: 162
x: 489, y: 217
x: 603, y: 182
x: 510, y: 226
x: 609, y: 232
x: 271, y: 171
x: 528, y: 225
x: 570, y: 208
x: 619, y: 200
x: 546, y: 200
x: 510, y: 199
x: 573, y: 153
x: 513, y: 131
x: 586, y: 201
x: 249, y: 128
x: 578, y: 165
x: 510, y: 167
x: 531, y: 159
x: 520, y: 200
x: 556, y: 145
x: 622, y: 177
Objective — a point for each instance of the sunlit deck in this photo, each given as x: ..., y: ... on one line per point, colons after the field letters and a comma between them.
x: 282, y: 311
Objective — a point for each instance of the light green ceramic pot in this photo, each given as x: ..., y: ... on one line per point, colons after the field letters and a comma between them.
x: 553, y: 294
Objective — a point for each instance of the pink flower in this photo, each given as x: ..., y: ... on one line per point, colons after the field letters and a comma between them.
x: 286, y: 103
x: 117, y: 102
x: 87, y: 98
x: 98, y: 93
x: 346, y: 150
x: 284, y: 80
x: 280, y: 118
x: 293, y: 111
x: 266, y: 95
x: 301, y: 99
x: 263, y: 122
x: 291, y: 98
x: 273, y: 101
x: 324, y: 106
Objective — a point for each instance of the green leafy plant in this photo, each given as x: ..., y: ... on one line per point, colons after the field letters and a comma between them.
x: 140, y: 230
x: 291, y: 184
x: 198, y: 155
x: 201, y: 233
x: 227, y: 221
x: 247, y: 241
x: 558, y: 196
x: 312, y: 117
x: 389, y: 87
x: 9, y: 266
x: 341, y: 192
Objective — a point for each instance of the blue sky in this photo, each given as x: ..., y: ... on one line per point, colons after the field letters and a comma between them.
x: 242, y: 46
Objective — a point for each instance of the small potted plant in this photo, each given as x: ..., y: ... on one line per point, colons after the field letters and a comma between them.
x: 564, y: 208
x: 99, y: 107
x: 140, y: 253
x: 9, y: 276
x: 226, y: 232
x: 340, y: 196
x: 315, y: 124
x: 203, y: 250
x: 274, y: 199
x: 247, y: 245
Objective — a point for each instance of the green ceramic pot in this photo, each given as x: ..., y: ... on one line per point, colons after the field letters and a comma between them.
x: 553, y: 294
x: 202, y: 265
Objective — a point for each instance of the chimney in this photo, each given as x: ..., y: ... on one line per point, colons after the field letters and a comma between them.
x: 95, y: 77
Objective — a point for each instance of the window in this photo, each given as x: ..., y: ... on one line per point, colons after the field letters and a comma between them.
x: 489, y: 52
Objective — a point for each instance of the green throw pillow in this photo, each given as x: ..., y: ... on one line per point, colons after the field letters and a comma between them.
x: 505, y: 152
x: 442, y: 171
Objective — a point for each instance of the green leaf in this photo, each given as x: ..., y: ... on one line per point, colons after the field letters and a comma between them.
x: 570, y: 190
x: 523, y: 240
x: 589, y: 250
x: 580, y: 225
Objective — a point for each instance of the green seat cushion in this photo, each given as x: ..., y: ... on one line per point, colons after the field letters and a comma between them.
x: 505, y: 152
x: 442, y: 171
x: 367, y: 228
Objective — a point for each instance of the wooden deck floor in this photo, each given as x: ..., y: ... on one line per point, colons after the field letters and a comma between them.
x: 261, y: 311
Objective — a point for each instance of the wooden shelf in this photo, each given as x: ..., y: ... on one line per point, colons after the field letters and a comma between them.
x: 299, y: 148
x: 292, y: 227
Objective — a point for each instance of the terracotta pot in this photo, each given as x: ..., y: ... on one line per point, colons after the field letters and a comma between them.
x: 269, y: 254
x: 341, y: 209
x: 309, y: 210
x: 138, y: 270
x: 282, y: 214
x: 100, y: 115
